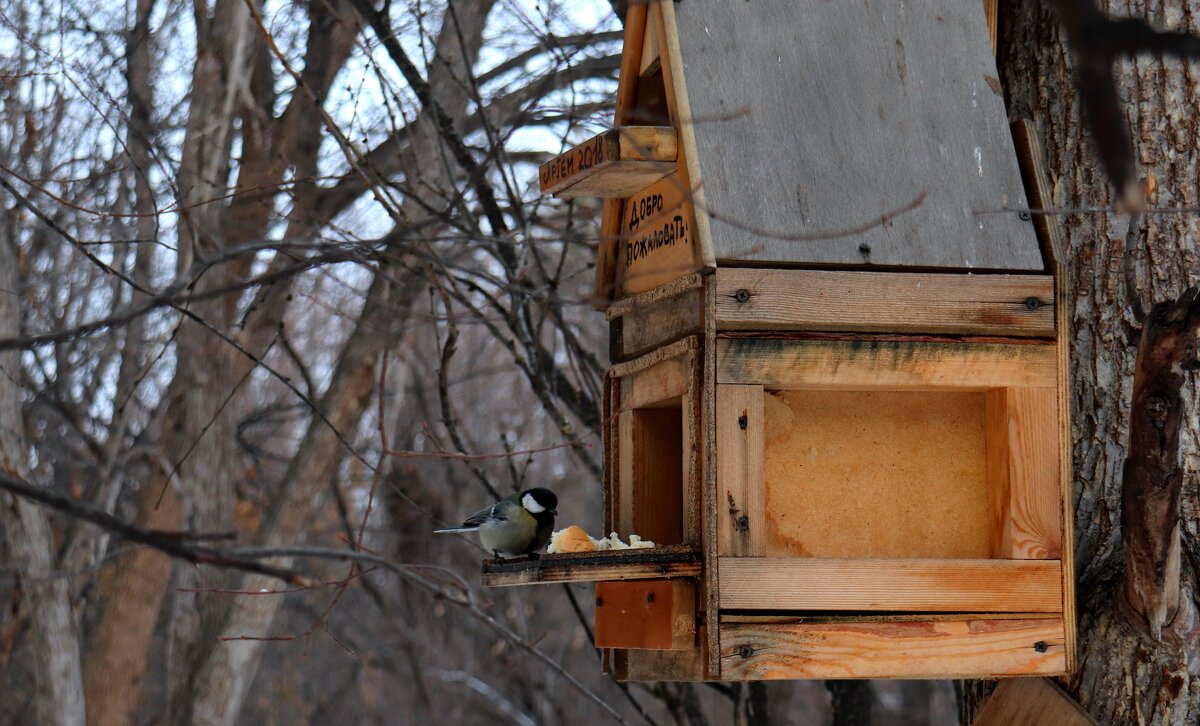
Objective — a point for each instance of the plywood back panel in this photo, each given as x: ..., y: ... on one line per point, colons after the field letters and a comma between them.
x: 876, y: 474
x: 812, y: 118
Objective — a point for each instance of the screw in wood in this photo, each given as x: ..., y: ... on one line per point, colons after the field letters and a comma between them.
x: 1032, y: 303
x: 745, y: 651
x: 649, y: 597
x: 743, y: 524
x: 1040, y: 646
x: 743, y: 422
x: 599, y: 601
x: 1025, y: 216
x: 864, y: 248
x: 742, y: 295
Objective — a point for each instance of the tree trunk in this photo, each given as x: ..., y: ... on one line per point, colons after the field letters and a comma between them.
x: 1137, y: 655
x: 54, y: 641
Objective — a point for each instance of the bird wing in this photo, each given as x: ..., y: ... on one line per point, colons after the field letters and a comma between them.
x: 480, y: 517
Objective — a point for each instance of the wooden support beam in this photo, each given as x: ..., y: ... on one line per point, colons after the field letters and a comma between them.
x: 967, y: 648
x: 646, y: 614
x: 740, y: 427
x: 881, y: 302
x: 1023, y: 471
x: 885, y: 363
x: 897, y: 585
x: 641, y: 564
x: 1032, y: 702
x: 615, y: 164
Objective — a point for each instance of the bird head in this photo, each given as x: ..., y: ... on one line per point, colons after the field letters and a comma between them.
x: 539, y: 500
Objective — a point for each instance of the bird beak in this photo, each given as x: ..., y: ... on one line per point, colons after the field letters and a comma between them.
x: 554, y: 512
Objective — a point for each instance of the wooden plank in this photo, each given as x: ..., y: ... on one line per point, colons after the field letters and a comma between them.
x: 865, y: 82
x: 710, y: 498
x: 1037, y: 185
x: 657, y: 242
x: 1032, y: 702
x: 967, y: 648
x: 649, y: 62
x: 881, y: 302
x: 631, y: 61
x: 689, y: 154
x: 662, y: 665
x: 605, y: 281
x: 914, y: 585
x: 884, y: 363
x: 649, y: 327
x: 646, y: 614
x: 642, y: 564
x: 991, y: 11
x: 658, y: 384
x: 1023, y: 471
x: 740, y: 426
x: 652, y: 298
x: 1037, y: 182
x: 614, y: 164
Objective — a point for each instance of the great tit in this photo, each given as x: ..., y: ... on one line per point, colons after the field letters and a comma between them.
x: 517, y: 525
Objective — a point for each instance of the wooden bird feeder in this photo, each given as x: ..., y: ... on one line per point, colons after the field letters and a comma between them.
x: 838, y: 394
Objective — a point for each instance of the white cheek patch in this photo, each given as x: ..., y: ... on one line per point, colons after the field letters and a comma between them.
x: 531, y: 504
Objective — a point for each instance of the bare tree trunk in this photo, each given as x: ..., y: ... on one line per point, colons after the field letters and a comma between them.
x: 1138, y: 651
x: 55, y: 641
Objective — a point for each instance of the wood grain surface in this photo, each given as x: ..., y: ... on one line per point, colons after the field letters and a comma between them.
x: 815, y: 118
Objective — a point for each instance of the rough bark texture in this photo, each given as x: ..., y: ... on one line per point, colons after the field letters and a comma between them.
x: 52, y: 630
x: 1127, y: 674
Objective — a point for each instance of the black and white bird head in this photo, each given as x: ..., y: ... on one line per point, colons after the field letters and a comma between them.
x: 539, y: 500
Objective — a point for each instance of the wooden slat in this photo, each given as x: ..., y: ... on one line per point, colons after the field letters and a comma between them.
x: 688, y: 152
x: 643, y: 564
x: 939, y: 649
x: 651, y: 326
x: 661, y: 382
x: 1023, y: 471
x: 631, y: 61
x: 760, y: 299
x: 1037, y: 183
x: 740, y: 471
x: 913, y: 585
x: 865, y: 82
x: 649, y: 61
x: 661, y: 665
x: 709, y: 485
x: 895, y: 364
x: 614, y: 164
x: 646, y: 614
x: 1032, y: 702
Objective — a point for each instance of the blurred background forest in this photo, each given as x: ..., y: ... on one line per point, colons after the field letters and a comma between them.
x: 277, y: 272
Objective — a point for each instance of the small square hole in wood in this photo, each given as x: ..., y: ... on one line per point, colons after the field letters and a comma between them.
x: 652, y: 471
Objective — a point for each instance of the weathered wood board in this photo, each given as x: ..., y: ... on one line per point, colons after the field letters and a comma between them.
x: 885, y: 302
x: 885, y: 363
x: 640, y: 564
x: 1023, y: 473
x: 657, y: 242
x: 967, y: 648
x: 895, y: 585
x: 613, y: 164
x: 646, y: 614
x: 816, y: 118
x: 1032, y: 702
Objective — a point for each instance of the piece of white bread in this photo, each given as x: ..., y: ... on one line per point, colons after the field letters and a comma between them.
x: 574, y: 539
x: 571, y: 539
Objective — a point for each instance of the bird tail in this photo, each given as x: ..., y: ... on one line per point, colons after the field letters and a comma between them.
x: 455, y: 530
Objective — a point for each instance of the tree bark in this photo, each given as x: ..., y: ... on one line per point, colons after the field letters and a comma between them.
x: 54, y: 638
x: 1137, y: 657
